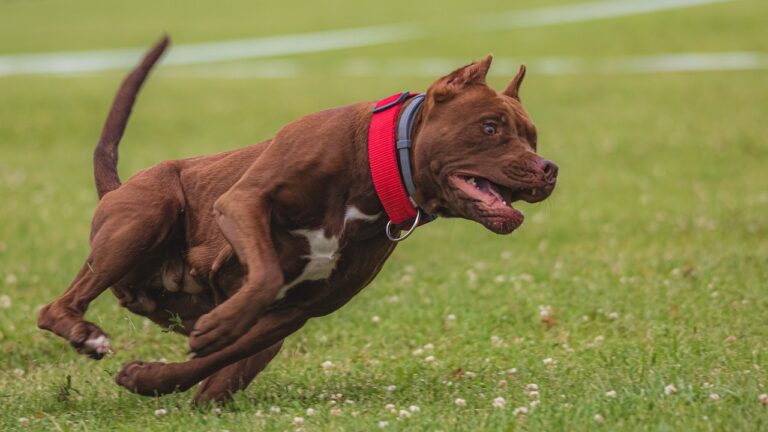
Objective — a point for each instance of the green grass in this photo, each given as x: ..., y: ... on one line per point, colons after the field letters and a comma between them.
x: 652, y: 252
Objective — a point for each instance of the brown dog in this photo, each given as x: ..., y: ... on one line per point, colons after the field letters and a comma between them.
x: 246, y: 245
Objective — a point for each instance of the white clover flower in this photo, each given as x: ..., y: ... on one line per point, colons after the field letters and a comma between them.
x: 428, y: 346
x: 217, y: 411
x: 512, y: 371
x: 499, y: 402
x: 611, y: 394
x: 451, y: 317
x: 11, y: 279
x: 18, y: 372
x: 404, y: 414
x: 534, y: 403
x: 376, y: 319
x: 275, y: 409
x: 335, y: 412
x: 391, y: 388
x: 298, y: 420
x: 496, y: 341
x: 460, y: 402
x: 613, y: 316
x: 418, y: 351
x: 24, y: 421
x: 549, y: 361
x: 502, y: 383
x: 471, y: 276
x: 763, y: 398
x: 545, y: 312
x: 349, y: 402
x: 531, y: 387
x: 714, y: 397
x: 390, y: 407
x: 383, y: 424
x: 598, y: 418
x: 5, y: 303
x: 161, y: 412
x: 310, y: 412
x: 414, y: 408
x: 470, y: 374
x: 429, y: 359
x: 520, y: 410
x: 670, y: 389
x: 533, y: 394
x: 327, y: 364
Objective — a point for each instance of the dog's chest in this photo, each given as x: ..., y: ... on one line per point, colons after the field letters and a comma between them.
x: 324, y: 249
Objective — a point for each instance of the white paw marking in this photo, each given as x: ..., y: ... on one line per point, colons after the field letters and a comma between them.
x: 99, y: 344
x: 323, y: 251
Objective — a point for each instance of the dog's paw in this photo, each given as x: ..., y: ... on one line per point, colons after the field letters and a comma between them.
x: 88, y: 339
x: 212, y: 333
x: 147, y: 379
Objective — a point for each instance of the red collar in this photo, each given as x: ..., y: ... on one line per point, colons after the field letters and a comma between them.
x: 392, y: 175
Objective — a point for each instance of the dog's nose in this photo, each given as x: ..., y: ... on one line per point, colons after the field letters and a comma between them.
x: 550, y: 170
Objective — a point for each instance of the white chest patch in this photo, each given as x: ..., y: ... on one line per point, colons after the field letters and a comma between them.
x: 323, y: 250
x: 353, y: 213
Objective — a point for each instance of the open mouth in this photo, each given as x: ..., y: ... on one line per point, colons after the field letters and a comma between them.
x: 491, y: 203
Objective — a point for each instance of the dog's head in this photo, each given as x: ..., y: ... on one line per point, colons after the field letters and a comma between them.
x: 475, y: 151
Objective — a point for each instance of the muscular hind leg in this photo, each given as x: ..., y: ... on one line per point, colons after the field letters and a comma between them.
x: 130, y: 224
x: 220, y: 386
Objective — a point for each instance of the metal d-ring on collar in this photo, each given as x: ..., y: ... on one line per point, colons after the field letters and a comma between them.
x: 403, y: 148
x: 391, y: 236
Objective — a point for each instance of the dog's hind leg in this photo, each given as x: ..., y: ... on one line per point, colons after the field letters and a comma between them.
x: 130, y: 224
x: 219, y: 387
x: 150, y: 379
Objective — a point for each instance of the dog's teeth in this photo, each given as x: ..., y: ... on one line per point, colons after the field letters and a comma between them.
x: 533, y: 192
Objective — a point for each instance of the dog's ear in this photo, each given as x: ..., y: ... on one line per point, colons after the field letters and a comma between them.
x: 456, y: 81
x: 513, y: 90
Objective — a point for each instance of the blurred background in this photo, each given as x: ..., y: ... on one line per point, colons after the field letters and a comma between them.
x: 654, y: 241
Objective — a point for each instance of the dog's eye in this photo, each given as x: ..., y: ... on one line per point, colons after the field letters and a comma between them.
x: 489, y: 128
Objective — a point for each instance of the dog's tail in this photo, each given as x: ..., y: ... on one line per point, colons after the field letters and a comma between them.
x: 105, y: 155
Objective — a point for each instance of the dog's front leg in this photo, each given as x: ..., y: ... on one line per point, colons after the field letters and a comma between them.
x: 154, y: 379
x: 243, y: 215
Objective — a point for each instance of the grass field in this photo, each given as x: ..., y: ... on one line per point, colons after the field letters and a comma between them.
x: 649, y: 263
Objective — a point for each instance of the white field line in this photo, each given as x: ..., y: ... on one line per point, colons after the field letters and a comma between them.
x: 678, y: 62
x: 211, y: 52
x: 579, y: 12
x: 91, y: 61
x: 435, y: 67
